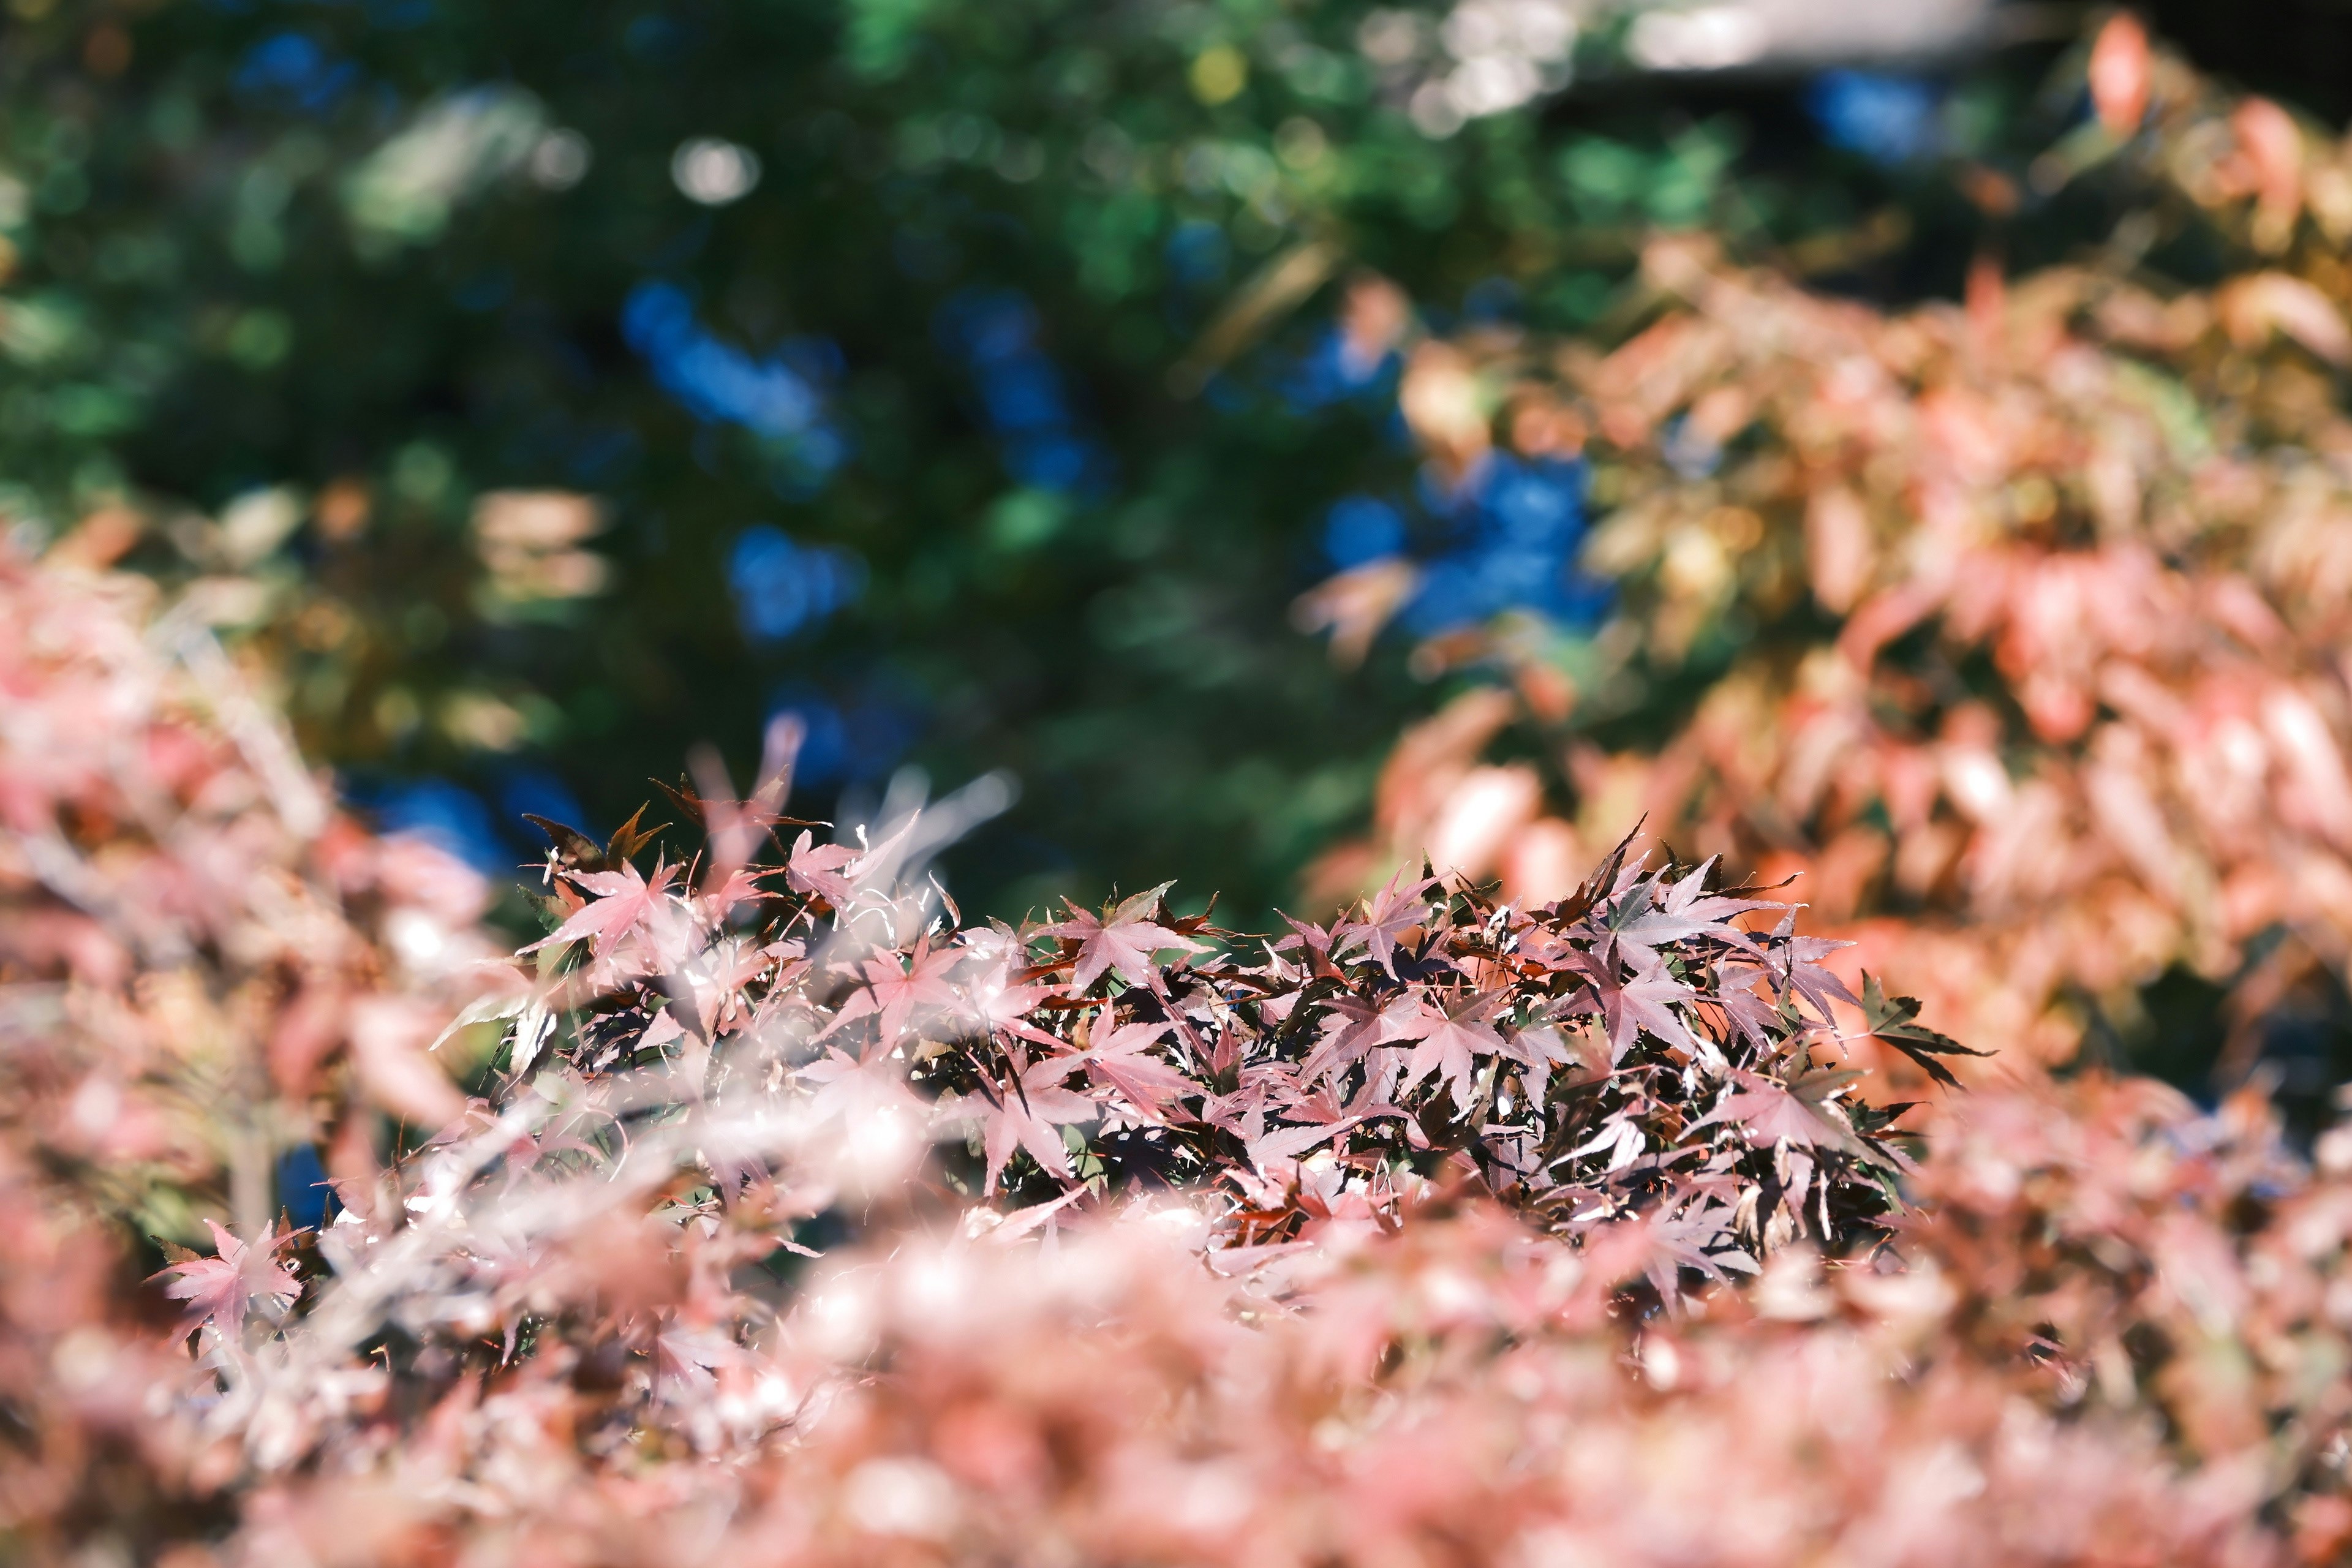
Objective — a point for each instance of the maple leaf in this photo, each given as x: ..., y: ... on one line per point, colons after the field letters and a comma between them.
x: 1621, y: 1136
x: 738, y: 887
x: 1798, y: 967
x: 1323, y: 1106
x: 851, y: 1087
x: 1645, y: 1002
x: 1124, y: 945
x: 994, y: 1005
x: 1264, y: 1088
x: 1023, y: 1222
x: 1289, y: 1142
x: 1687, y: 911
x: 1121, y: 1059
x: 628, y: 838
x: 1611, y: 877
x: 1317, y: 945
x: 1538, y: 1050
x: 1316, y: 1117
x: 686, y: 1361
x: 1388, y: 915
x: 1693, y: 1239
x: 623, y: 899
x: 895, y: 993
x: 220, y: 1290
x: 814, y: 869
x: 1025, y: 1115
x: 1891, y: 1020
x: 570, y: 848
x: 524, y: 1150
x: 715, y: 813
x: 1767, y: 1111
x: 1754, y: 1018
x: 1450, y: 1045
x: 1353, y: 1027
x: 708, y: 987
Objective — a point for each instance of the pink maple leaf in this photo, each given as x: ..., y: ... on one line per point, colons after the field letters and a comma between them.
x: 1640, y: 920
x: 1645, y: 1002
x: 1692, y: 1239
x: 1263, y: 1088
x: 816, y: 869
x: 1753, y: 1014
x: 855, y: 1087
x: 219, y: 1290
x: 1809, y: 979
x: 1795, y: 966
x: 686, y: 1361
x: 895, y: 993
x: 1450, y: 1045
x: 740, y: 886
x: 1766, y: 1112
x: 1353, y: 1027
x: 994, y: 1005
x: 1389, y: 913
x: 1025, y: 1115
x: 1538, y: 1050
x: 623, y: 899
x: 1323, y: 1108
x: 1121, y: 1059
x: 1125, y: 944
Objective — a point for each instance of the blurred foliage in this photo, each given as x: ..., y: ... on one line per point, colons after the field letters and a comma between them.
x: 2013, y: 626
x: 980, y: 382
x: 989, y: 360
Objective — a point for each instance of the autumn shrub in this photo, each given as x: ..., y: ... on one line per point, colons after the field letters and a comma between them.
x: 203, y: 965
x: 787, y: 1222
x: 2013, y: 623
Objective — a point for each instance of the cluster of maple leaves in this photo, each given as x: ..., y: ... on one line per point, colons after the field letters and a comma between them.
x: 1448, y: 1231
x: 2015, y: 624
x: 1643, y: 1044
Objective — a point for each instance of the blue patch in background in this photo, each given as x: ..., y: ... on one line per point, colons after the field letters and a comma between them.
x: 1888, y: 118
